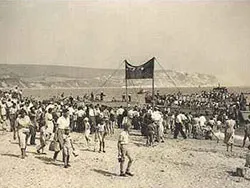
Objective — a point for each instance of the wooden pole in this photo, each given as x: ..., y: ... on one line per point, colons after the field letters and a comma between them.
x: 153, y: 91
x: 126, y: 83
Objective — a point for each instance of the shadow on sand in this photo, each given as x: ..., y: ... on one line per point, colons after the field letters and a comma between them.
x: 89, y: 150
x: 105, y: 173
x: 140, y: 144
x: 48, y: 160
x: 10, y: 155
x: 135, y: 134
x: 232, y: 173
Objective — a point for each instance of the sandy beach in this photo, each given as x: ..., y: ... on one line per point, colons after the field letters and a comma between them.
x: 175, y: 163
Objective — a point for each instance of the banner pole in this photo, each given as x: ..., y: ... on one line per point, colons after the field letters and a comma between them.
x: 126, y: 84
x: 153, y: 91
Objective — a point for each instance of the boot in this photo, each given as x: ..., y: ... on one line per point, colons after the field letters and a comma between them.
x: 22, y: 153
x: 103, y: 145
x: 100, y: 147
x: 63, y: 155
x: 55, y: 155
x: 67, y: 158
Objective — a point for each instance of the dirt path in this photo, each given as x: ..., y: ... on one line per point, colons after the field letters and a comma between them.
x: 175, y: 163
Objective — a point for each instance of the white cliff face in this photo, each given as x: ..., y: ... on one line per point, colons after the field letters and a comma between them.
x: 30, y: 76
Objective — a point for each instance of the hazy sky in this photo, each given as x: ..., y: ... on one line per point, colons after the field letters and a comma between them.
x: 194, y: 36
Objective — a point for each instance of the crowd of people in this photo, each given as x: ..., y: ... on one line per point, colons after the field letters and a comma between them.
x: 216, y: 99
x: 56, y: 118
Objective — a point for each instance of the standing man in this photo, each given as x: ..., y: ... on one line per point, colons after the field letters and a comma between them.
x: 13, y: 116
x: 123, y: 97
x: 23, y: 123
x: 229, y: 133
x: 92, y: 118
x: 119, y: 113
x: 33, y: 126
x: 179, y: 123
x: 63, y: 123
x: 92, y: 97
x: 129, y: 97
x: 123, y: 151
x: 49, y: 123
x: 3, y: 116
x: 247, y: 131
x: 102, y: 95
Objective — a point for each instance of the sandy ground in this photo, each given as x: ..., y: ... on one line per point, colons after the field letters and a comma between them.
x: 175, y: 163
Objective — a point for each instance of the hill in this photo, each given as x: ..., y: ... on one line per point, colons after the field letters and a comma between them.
x: 51, y: 76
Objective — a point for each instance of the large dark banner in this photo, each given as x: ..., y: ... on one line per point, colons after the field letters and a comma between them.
x: 144, y: 71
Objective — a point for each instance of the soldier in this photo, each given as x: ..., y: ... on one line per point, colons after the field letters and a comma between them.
x: 63, y: 123
x: 68, y: 147
x: 123, y: 150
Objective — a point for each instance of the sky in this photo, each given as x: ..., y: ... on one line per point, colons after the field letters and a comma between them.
x: 211, y: 37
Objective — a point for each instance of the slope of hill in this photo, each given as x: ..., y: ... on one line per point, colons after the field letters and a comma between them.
x: 50, y: 76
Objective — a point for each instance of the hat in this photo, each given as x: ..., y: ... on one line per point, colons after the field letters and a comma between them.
x: 86, y: 119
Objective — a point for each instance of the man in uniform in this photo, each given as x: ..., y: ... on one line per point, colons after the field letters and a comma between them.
x: 63, y: 123
x: 123, y: 151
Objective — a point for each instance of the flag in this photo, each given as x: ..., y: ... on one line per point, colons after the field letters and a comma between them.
x: 144, y: 71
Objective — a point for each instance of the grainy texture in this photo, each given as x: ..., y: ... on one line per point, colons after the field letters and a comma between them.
x: 175, y: 163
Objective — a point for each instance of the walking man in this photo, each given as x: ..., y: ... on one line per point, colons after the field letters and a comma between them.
x: 123, y: 150
x: 63, y: 123
x: 247, y: 131
x: 180, y: 119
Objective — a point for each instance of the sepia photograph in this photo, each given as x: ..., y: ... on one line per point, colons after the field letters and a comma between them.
x: 124, y: 93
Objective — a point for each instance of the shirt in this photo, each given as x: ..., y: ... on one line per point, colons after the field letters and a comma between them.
x: 23, y: 122
x: 80, y: 113
x: 63, y: 122
x: 202, y: 121
x: 156, y: 116
x: 48, y: 119
x: 91, y: 112
x: 230, y: 124
x: 13, y: 111
x: 71, y: 111
x: 101, y: 127
x: 124, y: 138
x: 97, y: 111
x: 3, y: 111
x: 180, y: 118
x: 120, y: 111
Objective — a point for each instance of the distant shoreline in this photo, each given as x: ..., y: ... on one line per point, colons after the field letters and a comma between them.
x: 123, y: 87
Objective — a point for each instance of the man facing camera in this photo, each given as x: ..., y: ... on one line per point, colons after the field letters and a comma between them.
x: 123, y: 150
